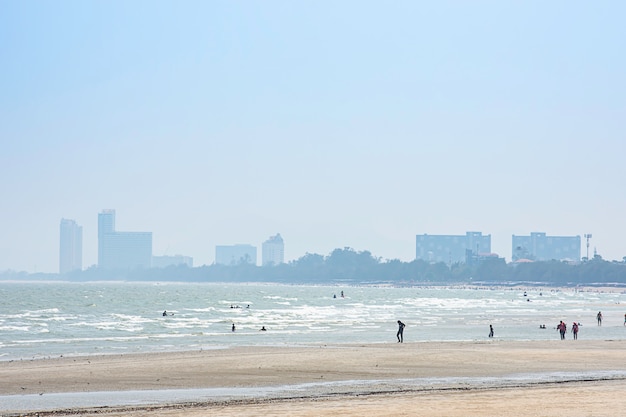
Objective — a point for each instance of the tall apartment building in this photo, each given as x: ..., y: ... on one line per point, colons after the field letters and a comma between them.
x: 451, y: 249
x: 70, y: 246
x: 122, y: 250
x: 273, y: 251
x: 235, y: 254
x: 540, y: 247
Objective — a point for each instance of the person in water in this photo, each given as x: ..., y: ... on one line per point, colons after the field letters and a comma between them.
x: 263, y: 329
x: 233, y: 328
x: 165, y: 313
x: 490, y: 330
x: 599, y: 317
x: 400, y: 334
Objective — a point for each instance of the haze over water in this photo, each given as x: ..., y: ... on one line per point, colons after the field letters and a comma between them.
x: 335, y: 123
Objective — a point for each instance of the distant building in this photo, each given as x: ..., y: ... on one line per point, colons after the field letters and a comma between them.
x: 451, y: 249
x: 539, y: 247
x: 122, y: 250
x: 273, y: 251
x: 176, y: 260
x: 235, y: 255
x: 70, y: 247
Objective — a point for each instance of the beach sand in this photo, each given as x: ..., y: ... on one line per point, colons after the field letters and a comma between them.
x: 491, y: 378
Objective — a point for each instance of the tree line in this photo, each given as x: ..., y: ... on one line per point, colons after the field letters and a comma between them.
x: 348, y: 266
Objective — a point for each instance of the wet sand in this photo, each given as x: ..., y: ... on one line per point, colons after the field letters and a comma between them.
x: 498, y: 378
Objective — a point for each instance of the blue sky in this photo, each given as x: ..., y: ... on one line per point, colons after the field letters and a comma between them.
x: 337, y: 124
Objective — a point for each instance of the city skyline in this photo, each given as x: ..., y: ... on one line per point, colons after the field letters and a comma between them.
x: 339, y: 124
x: 431, y: 247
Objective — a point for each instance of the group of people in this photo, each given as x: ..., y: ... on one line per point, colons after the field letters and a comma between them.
x: 562, y: 328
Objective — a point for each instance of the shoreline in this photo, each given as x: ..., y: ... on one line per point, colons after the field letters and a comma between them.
x: 588, y: 287
x: 308, y: 375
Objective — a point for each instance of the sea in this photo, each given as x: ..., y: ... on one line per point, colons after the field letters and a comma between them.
x: 54, y: 319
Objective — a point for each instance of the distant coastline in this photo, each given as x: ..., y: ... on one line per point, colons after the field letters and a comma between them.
x: 618, y: 288
x: 348, y: 267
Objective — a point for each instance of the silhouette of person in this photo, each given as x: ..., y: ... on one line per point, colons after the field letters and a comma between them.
x: 490, y: 330
x: 575, y: 330
x: 562, y: 328
x: 233, y: 328
x: 400, y: 334
x: 165, y: 313
x: 263, y: 329
x: 599, y: 317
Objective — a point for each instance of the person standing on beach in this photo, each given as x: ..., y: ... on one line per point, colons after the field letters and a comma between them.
x: 562, y: 328
x: 233, y: 328
x: 624, y: 319
x: 400, y: 334
x: 599, y: 317
x: 575, y: 330
x: 490, y: 330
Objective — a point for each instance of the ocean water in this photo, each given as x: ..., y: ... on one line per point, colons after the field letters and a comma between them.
x: 50, y: 319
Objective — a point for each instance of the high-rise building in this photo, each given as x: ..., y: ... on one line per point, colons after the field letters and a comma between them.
x: 539, y: 247
x: 70, y: 246
x: 122, y: 250
x: 451, y: 249
x: 235, y: 254
x: 273, y: 251
x: 106, y: 225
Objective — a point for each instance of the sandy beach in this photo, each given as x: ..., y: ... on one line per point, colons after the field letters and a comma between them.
x: 491, y: 378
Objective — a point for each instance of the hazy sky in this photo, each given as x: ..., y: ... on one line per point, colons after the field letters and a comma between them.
x: 334, y: 123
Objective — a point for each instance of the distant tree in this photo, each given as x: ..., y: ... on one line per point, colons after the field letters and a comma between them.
x: 492, y: 270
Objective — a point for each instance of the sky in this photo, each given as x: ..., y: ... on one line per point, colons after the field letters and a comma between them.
x: 337, y: 124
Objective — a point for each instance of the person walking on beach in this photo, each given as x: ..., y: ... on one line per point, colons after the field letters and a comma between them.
x: 400, y: 334
x: 490, y: 330
x: 599, y: 317
x: 562, y: 328
x: 575, y: 330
